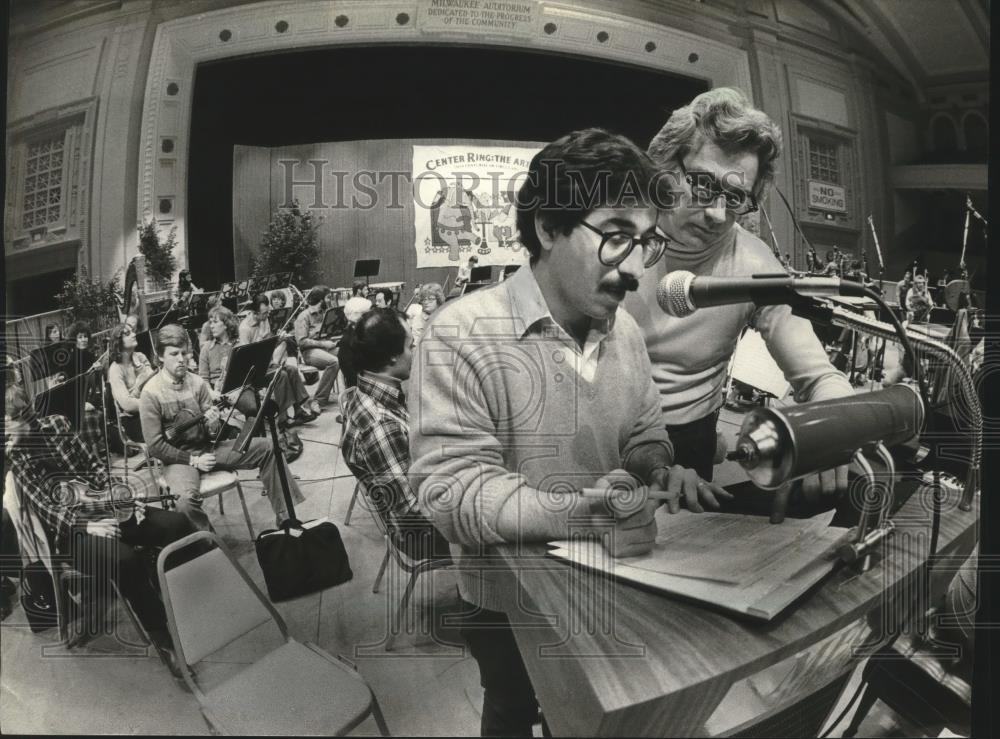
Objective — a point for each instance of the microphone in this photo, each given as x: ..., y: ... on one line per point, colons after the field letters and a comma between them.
x: 681, y: 293
x: 775, y: 446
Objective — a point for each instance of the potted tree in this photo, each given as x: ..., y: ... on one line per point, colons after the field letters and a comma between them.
x: 91, y: 301
x: 160, y: 260
x: 289, y: 245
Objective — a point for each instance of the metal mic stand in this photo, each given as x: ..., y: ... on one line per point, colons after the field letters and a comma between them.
x: 877, y: 501
x: 813, y: 310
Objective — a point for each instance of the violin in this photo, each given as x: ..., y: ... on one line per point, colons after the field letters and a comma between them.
x: 118, y: 501
x: 189, y: 428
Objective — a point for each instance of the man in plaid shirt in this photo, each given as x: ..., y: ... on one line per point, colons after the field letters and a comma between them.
x: 45, y: 453
x: 376, y: 441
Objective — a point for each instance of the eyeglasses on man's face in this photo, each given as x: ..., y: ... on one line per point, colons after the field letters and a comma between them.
x: 617, y: 245
x: 706, y: 191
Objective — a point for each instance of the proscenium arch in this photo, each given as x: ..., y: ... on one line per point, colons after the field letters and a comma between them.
x: 180, y: 45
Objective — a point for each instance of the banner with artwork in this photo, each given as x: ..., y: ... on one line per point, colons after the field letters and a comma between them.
x: 463, y: 204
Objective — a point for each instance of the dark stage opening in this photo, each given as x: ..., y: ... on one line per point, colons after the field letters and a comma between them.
x: 387, y: 92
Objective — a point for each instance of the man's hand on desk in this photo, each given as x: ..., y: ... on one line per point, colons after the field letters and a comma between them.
x: 683, y: 484
x: 812, y: 488
x: 827, y: 482
x: 635, y: 528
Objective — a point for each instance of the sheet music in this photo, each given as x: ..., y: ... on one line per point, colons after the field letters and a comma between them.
x: 754, y: 366
x: 737, y: 562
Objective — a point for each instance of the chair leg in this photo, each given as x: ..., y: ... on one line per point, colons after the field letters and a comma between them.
x: 222, y: 506
x: 864, y: 708
x: 379, y: 718
x: 60, y: 590
x: 381, y: 570
x: 354, y: 500
x: 246, y: 513
x: 395, y: 627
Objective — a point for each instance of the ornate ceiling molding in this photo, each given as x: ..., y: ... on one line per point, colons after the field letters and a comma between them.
x: 181, y: 44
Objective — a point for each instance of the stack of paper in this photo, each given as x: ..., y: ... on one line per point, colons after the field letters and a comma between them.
x: 741, y: 563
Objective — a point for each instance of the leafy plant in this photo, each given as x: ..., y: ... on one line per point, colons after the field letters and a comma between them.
x: 91, y: 301
x: 289, y: 245
x: 160, y: 260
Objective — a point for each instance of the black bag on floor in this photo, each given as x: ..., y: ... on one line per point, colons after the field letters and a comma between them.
x: 297, y: 560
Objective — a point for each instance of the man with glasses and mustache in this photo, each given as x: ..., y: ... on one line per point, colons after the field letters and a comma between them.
x: 720, y: 154
x: 538, y: 387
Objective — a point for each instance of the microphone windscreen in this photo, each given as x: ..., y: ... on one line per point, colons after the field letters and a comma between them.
x: 671, y: 294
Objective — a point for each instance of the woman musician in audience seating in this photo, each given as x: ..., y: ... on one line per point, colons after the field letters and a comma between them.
x: 127, y: 373
x: 53, y: 333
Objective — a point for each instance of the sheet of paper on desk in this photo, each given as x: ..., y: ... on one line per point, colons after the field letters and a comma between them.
x: 737, y: 562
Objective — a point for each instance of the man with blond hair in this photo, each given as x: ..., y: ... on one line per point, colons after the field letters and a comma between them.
x: 719, y: 153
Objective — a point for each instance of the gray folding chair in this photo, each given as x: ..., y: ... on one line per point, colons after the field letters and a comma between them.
x: 293, y: 688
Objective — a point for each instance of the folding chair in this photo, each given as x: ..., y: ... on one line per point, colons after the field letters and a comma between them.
x: 413, y: 567
x: 293, y: 688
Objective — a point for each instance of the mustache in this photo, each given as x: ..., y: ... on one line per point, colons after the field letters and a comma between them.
x: 623, y: 283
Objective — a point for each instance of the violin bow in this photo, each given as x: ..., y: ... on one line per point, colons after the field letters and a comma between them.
x: 239, y: 391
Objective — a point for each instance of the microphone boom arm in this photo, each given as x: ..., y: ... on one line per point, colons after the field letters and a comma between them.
x: 941, y: 351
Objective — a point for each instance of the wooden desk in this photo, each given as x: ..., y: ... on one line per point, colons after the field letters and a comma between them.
x: 609, y: 659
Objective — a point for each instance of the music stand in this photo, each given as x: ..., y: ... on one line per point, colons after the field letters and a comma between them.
x: 65, y: 399
x: 229, y: 296
x: 366, y: 268
x: 198, y: 305
x: 481, y: 274
x: 47, y: 360
x: 248, y: 364
x: 334, y: 322
x: 256, y: 285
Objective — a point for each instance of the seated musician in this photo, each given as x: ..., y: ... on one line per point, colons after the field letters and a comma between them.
x: 81, y: 358
x: 330, y: 298
x: 47, y: 452
x: 377, y: 433
x: 465, y: 273
x: 257, y: 327
x: 212, y: 363
x: 353, y: 310
x: 128, y: 372
x: 918, y: 301
x: 383, y: 298
x: 184, y: 290
x: 359, y: 289
x: 174, y: 395
x: 903, y: 287
x: 316, y: 352
x: 431, y: 298
x: 277, y: 300
x: 53, y: 333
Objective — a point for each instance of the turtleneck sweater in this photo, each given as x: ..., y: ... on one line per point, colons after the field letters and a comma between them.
x: 690, y: 355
